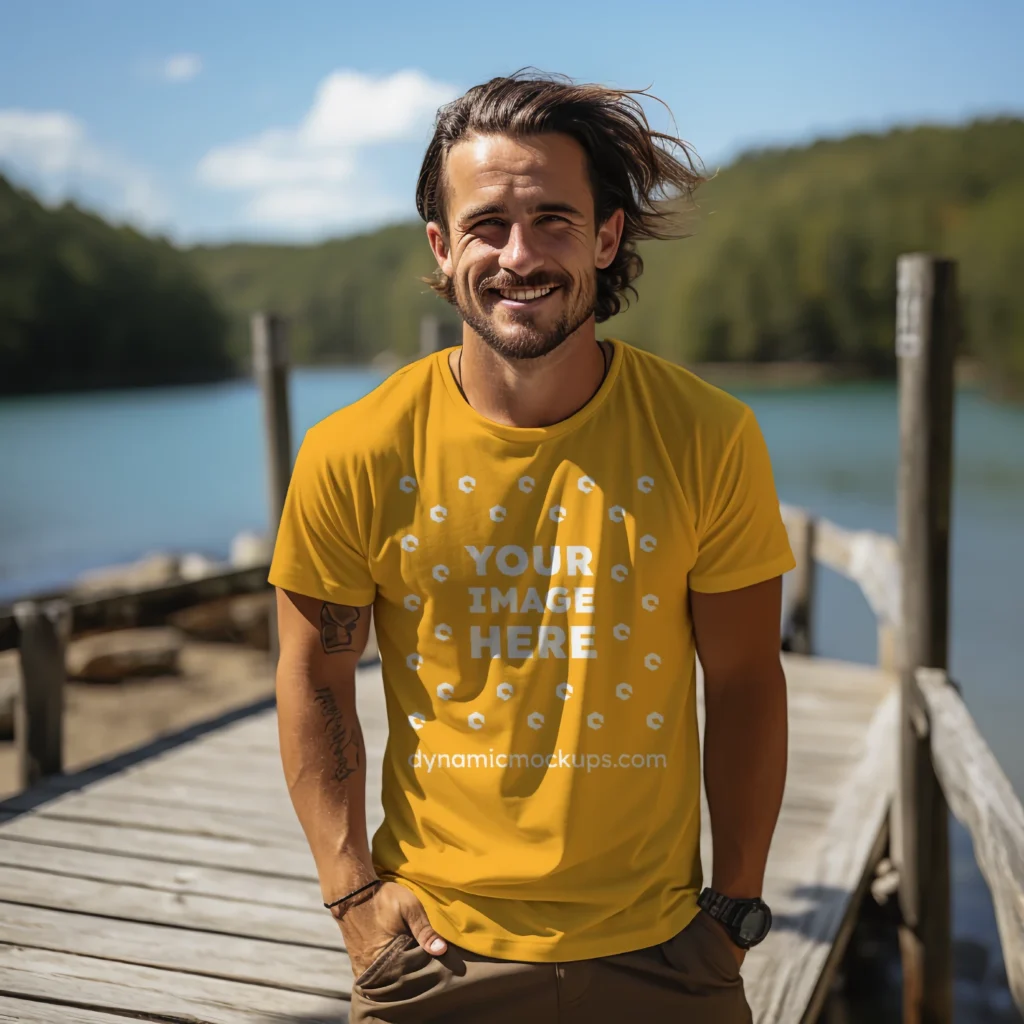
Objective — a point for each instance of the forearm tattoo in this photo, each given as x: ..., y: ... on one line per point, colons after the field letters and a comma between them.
x: 337, y: 627
x: 343, y: 740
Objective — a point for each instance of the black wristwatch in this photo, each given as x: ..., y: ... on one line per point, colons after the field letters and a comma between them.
x: 747, y: 921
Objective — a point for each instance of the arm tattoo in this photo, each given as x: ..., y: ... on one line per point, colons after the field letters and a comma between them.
x: 337, y: 627
x: 343, y: 740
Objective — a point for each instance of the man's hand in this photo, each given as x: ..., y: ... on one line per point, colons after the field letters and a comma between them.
x: 393, y: 910
x: 737, y: 951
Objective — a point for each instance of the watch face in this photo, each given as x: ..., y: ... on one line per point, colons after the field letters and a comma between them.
x: 755, y: 924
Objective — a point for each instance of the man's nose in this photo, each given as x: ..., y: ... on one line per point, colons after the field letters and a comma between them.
x: 520, y: 255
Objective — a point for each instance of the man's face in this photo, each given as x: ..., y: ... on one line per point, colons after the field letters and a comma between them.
x: 523, y: 248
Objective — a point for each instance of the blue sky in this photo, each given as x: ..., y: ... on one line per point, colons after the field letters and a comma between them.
x: 222, y: 120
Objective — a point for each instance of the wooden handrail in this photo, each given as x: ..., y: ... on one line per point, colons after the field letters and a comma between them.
x: 148, y: 607
x: 983, y: 801
x: 975, y: 786
x: 870, y: 559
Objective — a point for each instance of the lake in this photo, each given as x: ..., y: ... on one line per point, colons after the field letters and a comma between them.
x: 87, y: 480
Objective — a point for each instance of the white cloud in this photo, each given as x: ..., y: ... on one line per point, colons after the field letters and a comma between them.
x: 309, y: 206
x: 315, y: 173
x: 181, y: 67
x: 53, y: 150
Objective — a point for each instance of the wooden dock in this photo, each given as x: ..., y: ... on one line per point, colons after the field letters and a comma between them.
x: 174, y: 884
x: 180, y: 888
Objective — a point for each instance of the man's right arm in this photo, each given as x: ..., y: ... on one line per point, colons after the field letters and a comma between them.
x: 322, y: 747
x: 324, y: 760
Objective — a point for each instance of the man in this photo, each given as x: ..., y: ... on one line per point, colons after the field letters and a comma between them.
x: 546, y: 528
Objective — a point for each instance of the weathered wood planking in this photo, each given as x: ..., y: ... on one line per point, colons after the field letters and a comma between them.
x: 164, y: 876
x: 237, y: 957
x: 13, y: 1009
x: 301, y: 926
x: 181, y: 887
x: 983, y: 800
x: 41, y: 974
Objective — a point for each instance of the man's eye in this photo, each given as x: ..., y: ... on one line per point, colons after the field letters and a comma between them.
x: 486, y: 223
x: 555, y: 217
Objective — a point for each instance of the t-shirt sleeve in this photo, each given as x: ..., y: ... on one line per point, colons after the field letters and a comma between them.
x: 318, y: 551
x: 742, y: 539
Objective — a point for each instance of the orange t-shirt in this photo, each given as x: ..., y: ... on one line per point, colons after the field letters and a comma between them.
x: 541, y: 783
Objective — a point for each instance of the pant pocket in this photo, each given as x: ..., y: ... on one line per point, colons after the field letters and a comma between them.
x: 701, y: 952
x: 377, y: 972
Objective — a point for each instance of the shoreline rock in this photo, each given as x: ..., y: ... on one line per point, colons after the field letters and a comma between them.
x: 111, y: 657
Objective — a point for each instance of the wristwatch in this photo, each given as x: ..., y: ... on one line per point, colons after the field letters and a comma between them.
x: 747, y: 921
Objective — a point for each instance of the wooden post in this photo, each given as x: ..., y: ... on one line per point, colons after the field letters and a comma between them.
x: 926, y: 331
x: 436, y: 334
x: 430, y: 334
x: 44, y: 629
x: 800, y: 628
x: 270, y: 365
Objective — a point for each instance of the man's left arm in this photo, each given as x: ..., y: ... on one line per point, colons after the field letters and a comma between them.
x: 745, y: 730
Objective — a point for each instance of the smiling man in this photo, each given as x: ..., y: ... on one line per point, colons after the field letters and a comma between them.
x: 547, y: 530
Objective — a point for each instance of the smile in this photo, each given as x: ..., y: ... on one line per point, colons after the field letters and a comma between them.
x: 524, y: 295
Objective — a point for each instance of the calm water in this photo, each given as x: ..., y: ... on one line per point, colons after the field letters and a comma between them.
x: 87, y: 480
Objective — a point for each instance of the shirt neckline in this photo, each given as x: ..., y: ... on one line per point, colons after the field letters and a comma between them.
x: 528, y: 435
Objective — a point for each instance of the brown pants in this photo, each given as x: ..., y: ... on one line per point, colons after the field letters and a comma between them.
x: 692, y: 978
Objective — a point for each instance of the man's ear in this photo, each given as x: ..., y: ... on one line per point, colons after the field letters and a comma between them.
x: 439, y: 246
x: 609, y: 235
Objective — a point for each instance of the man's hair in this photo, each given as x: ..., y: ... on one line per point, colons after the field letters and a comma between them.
x: 633, y: 167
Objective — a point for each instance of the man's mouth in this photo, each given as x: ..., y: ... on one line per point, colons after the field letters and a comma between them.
x: 525, y: 296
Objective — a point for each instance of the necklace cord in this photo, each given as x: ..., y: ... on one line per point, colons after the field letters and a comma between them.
x: 605, y: 357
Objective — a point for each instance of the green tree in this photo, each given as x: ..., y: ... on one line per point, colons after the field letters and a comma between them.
x: 84, y: 304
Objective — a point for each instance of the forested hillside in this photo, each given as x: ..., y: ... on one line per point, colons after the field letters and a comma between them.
x: 795, y: 250
x: 792, y: 257
x: 84, y: 304
x: 347, y: 299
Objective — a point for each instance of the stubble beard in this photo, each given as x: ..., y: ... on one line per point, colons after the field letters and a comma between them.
x: 528, y: 341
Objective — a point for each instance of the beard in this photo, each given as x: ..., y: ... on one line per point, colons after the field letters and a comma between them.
x: 523, y: 339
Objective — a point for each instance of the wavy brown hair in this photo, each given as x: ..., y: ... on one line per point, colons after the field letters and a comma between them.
x: 633, y: 167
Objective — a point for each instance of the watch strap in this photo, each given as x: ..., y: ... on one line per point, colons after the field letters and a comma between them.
x: 726, y: 909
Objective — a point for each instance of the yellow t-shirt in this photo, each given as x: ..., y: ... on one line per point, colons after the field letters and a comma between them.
x: 541, y: 783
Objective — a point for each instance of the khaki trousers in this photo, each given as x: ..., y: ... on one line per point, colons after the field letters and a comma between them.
x: 692, y: 978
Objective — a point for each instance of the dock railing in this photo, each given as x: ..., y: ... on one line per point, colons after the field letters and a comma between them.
x: 944, y: 763
x: 943, y: 758
x: 974, y: 785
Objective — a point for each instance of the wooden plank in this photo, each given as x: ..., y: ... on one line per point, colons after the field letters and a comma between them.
x: 837, y: 863
x: 984, y: 801
x: 47, y: 1012
x: 310, y: 926
x: 153, y: 788
x: 165, y: 876
x: 250, y: 783
x: 847, y: 926
x: 256, y: 961
x: 131, y: 990
x: 272, y: 830
x: 230, y: 778
x: 295, y: 863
